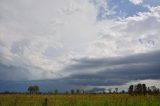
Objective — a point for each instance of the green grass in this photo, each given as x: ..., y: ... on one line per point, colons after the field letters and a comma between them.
x: 79, y: 100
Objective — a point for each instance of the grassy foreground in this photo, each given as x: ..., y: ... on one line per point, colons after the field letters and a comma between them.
x: 78, y: 100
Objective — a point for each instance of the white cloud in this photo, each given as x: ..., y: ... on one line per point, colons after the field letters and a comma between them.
x: 33, y: 29
x: 66, y: 25
x: 136, y: 2
x: 136, y: 34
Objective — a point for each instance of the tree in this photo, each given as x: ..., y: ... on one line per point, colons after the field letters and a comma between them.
x: 155, y: 90
x: 77, y: 91
x: 110, y: 90
x: 56, y: 91
x: 123, y: 91
x: 72, y: 91
x: 116, y: 90
x: 131, y: 89
x: 30, y: 89
x: 33, y: 89
x: 144, y: 89
x: 138, y: 89
x: 149, y: 91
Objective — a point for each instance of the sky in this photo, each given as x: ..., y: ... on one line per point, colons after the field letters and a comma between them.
x: 84, y: 44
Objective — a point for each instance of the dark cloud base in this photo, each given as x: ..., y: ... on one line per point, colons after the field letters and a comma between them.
x: 44, y: 85
x: 109, y: 72
x: 115, y: 71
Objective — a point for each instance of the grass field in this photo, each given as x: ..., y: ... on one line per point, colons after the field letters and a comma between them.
x: 78, y: 100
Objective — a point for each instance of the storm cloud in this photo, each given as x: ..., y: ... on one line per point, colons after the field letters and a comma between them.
x: 115, y: 71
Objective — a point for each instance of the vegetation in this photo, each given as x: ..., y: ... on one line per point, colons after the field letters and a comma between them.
x: 138, y: 95
x: 33, y: 89
x: 56, y: 91
x: 79, y: 100
x: 142, y: 89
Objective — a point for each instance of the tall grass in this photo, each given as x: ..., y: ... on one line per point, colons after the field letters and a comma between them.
x: 79, y: 100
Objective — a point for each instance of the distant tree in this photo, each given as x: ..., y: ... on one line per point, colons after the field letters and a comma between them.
x: 110, y: 90
x: 131, y: 90
x: 144, y: 89
x: 83, y: 91
x: 6, y: 92
x: 72, y: 91
x: 149, y: 91
x: 138, y: 89
x: 33, y: 89
x: 123, y: 91
x: 30, y: 89
x: 36, y: 89
x: 154, y: 90
x: 116, y: 90
x: 158, y: 91
x: 56, y: 91
x: 77, y: 91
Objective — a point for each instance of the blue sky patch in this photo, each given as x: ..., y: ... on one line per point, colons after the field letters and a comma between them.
x: 122, y: 8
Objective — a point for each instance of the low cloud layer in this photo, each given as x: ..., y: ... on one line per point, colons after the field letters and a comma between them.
x: 115, y: 71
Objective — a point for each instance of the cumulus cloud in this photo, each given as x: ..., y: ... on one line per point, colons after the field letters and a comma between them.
x: 30, y: 30
x: 139, y: 33
x: 47, y: 38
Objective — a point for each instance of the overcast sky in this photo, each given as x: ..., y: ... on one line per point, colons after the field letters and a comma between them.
x: 80, y: 42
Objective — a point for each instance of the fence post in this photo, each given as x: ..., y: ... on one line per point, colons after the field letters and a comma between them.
x: 45, y: 102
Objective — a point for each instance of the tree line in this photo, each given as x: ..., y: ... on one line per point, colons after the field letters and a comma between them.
x: 142, y: 89
x: 137, y: 89
x: 35, y: 90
